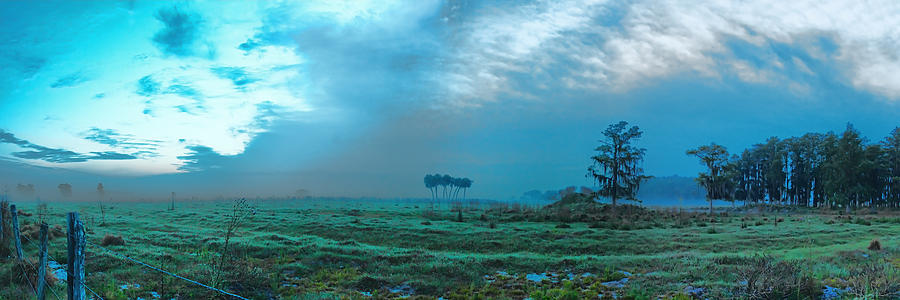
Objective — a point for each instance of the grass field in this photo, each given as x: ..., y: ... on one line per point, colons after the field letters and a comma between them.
x: 348, y: 249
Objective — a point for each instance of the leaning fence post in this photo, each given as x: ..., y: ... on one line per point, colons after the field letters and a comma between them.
x: 42, y: 268
x: 15, y: 225
x: 75, y: 276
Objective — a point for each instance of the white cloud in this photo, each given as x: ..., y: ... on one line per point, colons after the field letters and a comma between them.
x: 657, y: 39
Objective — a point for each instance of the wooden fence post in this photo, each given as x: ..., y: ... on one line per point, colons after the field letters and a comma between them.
x: 42, y: 268
x: 15, y: 226
x: 3, y: 205
x: 4, y: 237
x: 75, y: 276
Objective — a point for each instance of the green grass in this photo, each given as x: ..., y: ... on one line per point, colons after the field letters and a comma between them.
x: 314, y: 249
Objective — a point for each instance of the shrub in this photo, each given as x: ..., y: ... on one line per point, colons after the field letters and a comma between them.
x: 875, y: 245
x: 874, y: 280
x: 766, y: 278
x: 426, y: 223
x: 861, y: 221
x: 112, y: 240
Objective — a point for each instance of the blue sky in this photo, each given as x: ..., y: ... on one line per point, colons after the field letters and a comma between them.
x: 362, y: 98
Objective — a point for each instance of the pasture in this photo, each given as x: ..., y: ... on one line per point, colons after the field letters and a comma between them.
x: 358, y: 249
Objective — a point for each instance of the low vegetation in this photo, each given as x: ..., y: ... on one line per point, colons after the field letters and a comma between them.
x: 572, y: 249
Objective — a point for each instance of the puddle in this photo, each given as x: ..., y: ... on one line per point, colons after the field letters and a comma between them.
x: 616, y: 284
x: 830, y: 292
x: 541, y: 277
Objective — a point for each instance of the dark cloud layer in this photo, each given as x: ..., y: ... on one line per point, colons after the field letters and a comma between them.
x: 200, y: 158
x: 113, y: 138
x: 56, y: 155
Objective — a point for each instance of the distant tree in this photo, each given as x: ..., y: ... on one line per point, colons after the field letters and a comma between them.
x: 26, y: 190
x: 617, y: 166
x: 100, y: 193
x: 465, y: 183
x: 431, y: 183
x: 65, y: 190
x: 718, y: 180
x: 446, y: 181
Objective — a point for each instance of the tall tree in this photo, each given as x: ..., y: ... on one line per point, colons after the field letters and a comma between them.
x: 617, y: 166
x: 891, y: 146
x: 718, y: 180
x: 843, y: 169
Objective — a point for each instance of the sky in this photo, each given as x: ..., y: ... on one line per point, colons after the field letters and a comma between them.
x: 362, y: 98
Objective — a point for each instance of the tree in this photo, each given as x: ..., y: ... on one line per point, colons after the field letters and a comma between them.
x: 719, y: 178
x: 891, y: 146
x: 65, y: 190
x: 100, y: 193
x: 465, y: 183
x: 26, y: 190
x: 617, y: 166
x: 843, y: 169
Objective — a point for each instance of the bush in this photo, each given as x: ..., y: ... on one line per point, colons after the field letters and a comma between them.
x: 111, y: 240
x: 875, y: 245
x: 766, y: 278
x: 874, y: 280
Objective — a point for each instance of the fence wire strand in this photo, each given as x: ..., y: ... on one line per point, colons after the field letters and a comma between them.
x: 166, y: 272
x: 32, y: 265
x: 25, y: 276
x: 63, y: 267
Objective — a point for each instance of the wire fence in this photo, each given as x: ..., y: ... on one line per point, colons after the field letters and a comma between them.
x: 111, y: 253
x: 44, y: 279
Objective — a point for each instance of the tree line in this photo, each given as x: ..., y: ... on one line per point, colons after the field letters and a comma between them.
x: 814, y: 170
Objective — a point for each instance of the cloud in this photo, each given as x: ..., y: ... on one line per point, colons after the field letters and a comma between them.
x: 69, y: 80
x: 56, y: 155
x: 200, y: 158
x: 180, y: 31
x: 147, y: 86
x: 114, y: 139
x: 606, y: 46
x: 237, y: 75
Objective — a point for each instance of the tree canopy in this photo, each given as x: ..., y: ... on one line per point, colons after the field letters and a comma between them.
x: 617, y: 166
x: 817, y: 170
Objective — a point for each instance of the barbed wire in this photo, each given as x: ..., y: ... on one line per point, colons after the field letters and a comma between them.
x: 61, y: 267
x: 166, y: 272
x: 47, y: 284
x: 125, y: 257
x: 89, y: 289
x: 25, y: 276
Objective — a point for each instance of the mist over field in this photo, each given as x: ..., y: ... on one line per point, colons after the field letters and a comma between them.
x: 455, y: 149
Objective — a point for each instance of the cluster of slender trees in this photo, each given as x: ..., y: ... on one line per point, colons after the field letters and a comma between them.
x: 816, y: 170
x: 446, y: 186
